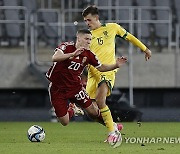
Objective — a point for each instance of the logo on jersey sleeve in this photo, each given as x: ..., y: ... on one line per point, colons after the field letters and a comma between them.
x: 63, y: 47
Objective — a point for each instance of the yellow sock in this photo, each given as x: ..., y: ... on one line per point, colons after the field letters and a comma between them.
x: 106, y: 115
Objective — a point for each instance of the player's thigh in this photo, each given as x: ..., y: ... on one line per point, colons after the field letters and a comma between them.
x: 81, y: 98
x: 58, y: 101
x: 60, y: 106
x: 106, y: 82
x: 91, y: 87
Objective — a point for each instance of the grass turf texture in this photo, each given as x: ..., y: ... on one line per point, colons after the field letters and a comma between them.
x: 84, y: 138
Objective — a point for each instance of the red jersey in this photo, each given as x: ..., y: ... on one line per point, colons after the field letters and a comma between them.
x: 66, y: 74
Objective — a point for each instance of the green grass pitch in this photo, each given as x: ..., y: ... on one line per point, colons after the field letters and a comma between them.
x: 87, y: 138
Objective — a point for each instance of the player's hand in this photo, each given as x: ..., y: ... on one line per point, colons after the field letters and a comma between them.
x: 121, y: 60
x: 147, y: 54
x: 78, y: 52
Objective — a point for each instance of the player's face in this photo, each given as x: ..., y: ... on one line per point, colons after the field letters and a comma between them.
x: 91, y: 21
x: 85, y: 40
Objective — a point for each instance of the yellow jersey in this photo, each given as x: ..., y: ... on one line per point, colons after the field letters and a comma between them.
x: 103, y: 44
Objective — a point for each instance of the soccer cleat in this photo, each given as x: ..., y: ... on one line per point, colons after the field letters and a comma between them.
x: 77, y: 111
x: 114, y: 139
x: 118, y: 126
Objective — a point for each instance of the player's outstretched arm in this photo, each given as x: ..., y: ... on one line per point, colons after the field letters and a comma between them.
x: 60, y: 56
x: 119, y: 62
x: 139, y: 44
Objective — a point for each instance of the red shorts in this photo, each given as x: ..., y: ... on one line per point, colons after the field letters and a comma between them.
x: 60, y: 99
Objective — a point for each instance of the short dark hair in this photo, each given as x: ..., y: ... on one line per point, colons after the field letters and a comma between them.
x: 83, y: 31
x: 93, y: 10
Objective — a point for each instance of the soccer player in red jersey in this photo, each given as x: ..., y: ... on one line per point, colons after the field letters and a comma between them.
x: 70, y: 59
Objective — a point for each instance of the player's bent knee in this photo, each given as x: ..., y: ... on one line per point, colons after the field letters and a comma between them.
x: 63, y: 122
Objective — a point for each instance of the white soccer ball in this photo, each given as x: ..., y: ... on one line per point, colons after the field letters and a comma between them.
x: 36, y: 133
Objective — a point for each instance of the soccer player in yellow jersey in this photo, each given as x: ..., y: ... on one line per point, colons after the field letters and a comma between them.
x: 99, y: 85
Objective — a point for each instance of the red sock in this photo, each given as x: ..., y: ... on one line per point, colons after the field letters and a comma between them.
x: 98, y: 118
x: 71, y: 112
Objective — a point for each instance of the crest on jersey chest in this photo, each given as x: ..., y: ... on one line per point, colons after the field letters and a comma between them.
x: 93, y: 37
x: 78, y: 59
x: 63, y: 47
x: 105, y: 33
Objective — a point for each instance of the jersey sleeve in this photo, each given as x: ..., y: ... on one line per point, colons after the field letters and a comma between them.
x: 120, y: 30
x: 62, y: 47
x: 128, y: 36
x: 93, y: 60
